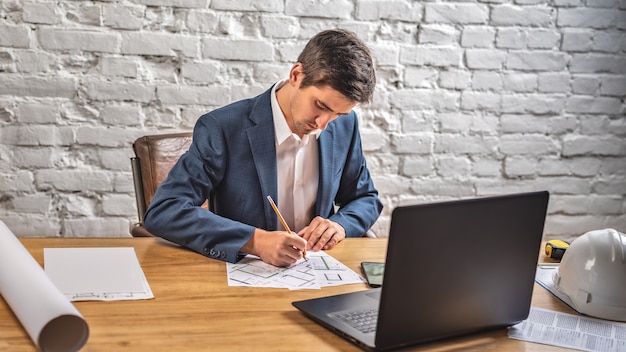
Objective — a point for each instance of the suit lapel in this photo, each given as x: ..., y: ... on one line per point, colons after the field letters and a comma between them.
x: 326, y: 170
x: 261, y: 137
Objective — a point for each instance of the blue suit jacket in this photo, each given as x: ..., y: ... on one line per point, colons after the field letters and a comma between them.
x: 232, y: 162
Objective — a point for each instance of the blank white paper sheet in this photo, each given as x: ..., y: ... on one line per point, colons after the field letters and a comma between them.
x: 97, y: 274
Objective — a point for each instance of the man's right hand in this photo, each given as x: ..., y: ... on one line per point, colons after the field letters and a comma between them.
x: 279, y: 248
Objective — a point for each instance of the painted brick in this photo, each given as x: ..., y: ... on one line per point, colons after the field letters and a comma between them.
x: 577, y: 40
x: 371, y: 10
x: 118, y: 205
x: 330, y: 9
x: 417, y: 166
x: 73, y: 180
x: 248, y: 5
x: 438, y: 34
x: 202, y: 21
x: 613, y: 85
x: 45, y: 13
x: 482, y: 59
x: 96, y: 227
x: 522, y: 123
x: 536, y: 61
x: 443, y: 188
x: 126, y: 115
x: 456, y: 13
x: 598, y: 63
x: 38, y: 203
x: 118, y: 67
x: 520, y: 82
x: 35, y: 62
x: 539, y: 104
x: 587, y: 145
x: 32, y: 225
x: 158, y: 44
x: 452, y: 166
x: 462, y: 144
x: 441, y: 57
x: 53, y: 39
x: 529, y: 16
x: 585, y: 84
x: 420, y: 77
x: 574, y: 166
x: 486, y: 168
x: 36, y: 112
x: 279, y: 27
x: 529, y: 145
x: 554, y: 82
x: 28, y: 157
x: 38, y: 135
x: 200, y: 72
x: 481, y: 101
x: 14, y: 36
x: 120, y: 91
x: 486, y: 80
x: 455, y: 79
x: 594, y: 105
x: 175, y: 94
x: 60, y: 87
x: 543, y: 39
x: 588, y: 18
x: 20, y: 181
x: 175, y: 3
x: 478, y: 37
x: 123, y: 17
x: 412, y: 143
x: 240, y: 50
x: 511, y: 38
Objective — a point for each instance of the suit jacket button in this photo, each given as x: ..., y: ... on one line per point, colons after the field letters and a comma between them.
x: 222, y: 254
x: 213, y: 253
x: 205, y: 251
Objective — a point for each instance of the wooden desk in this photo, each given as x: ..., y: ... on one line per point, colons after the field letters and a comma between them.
x: 195, y: 309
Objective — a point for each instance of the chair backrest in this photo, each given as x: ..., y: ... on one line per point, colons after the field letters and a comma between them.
x: 155, y: 155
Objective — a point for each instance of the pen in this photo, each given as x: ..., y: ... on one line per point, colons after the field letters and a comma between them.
x: 282, y: 220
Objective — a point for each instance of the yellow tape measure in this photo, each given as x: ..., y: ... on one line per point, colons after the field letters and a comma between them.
x: 556, y: 248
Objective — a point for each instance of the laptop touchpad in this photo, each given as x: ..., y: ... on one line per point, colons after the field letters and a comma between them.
x: 375, y: 295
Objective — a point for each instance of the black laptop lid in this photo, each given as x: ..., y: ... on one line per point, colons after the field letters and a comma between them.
x: 459, y: 267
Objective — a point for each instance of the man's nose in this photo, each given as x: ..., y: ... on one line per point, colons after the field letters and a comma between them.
x: 322, y: 120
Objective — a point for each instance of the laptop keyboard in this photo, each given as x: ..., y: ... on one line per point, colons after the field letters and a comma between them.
x: 362, y: 320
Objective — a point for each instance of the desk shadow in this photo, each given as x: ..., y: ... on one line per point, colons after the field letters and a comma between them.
x: 479, y: 342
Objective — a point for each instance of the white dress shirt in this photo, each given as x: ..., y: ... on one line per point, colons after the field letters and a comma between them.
x: 297, y: 160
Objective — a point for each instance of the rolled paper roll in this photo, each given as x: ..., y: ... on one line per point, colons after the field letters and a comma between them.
x: 51, y: 321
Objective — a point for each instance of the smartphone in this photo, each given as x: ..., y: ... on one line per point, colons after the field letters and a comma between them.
x: 373, y: 272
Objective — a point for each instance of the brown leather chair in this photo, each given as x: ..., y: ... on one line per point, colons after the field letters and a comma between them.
x: 155, y: 155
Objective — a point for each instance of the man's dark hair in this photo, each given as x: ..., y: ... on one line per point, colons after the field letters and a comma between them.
x: 339, y: 59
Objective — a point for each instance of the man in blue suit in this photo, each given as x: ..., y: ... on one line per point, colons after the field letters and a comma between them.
x: 299, y: 143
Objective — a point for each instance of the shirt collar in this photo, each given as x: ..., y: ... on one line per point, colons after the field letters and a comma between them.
x: 281, y: 128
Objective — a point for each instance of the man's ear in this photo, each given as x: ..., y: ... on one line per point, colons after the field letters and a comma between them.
x: 296, y: 75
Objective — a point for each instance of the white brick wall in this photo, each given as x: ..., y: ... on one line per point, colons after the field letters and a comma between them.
x: 473, y: 98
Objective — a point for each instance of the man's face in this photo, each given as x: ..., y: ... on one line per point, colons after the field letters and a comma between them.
x: 312, y: 108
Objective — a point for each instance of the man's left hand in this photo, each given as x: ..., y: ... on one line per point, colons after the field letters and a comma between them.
x: 322, y: 234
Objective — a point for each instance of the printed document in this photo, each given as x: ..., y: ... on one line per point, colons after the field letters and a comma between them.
x: 571, y: 331
x: 318, y: 271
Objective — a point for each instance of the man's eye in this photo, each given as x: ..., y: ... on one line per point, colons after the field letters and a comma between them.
x: 321, y: 107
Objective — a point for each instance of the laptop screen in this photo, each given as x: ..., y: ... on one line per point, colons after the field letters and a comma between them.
x: 460, y: 266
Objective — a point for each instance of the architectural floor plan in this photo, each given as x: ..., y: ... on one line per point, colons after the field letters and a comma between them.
x: 318, y: 271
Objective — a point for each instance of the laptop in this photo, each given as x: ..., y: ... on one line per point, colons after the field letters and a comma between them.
x: 452, y: 268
